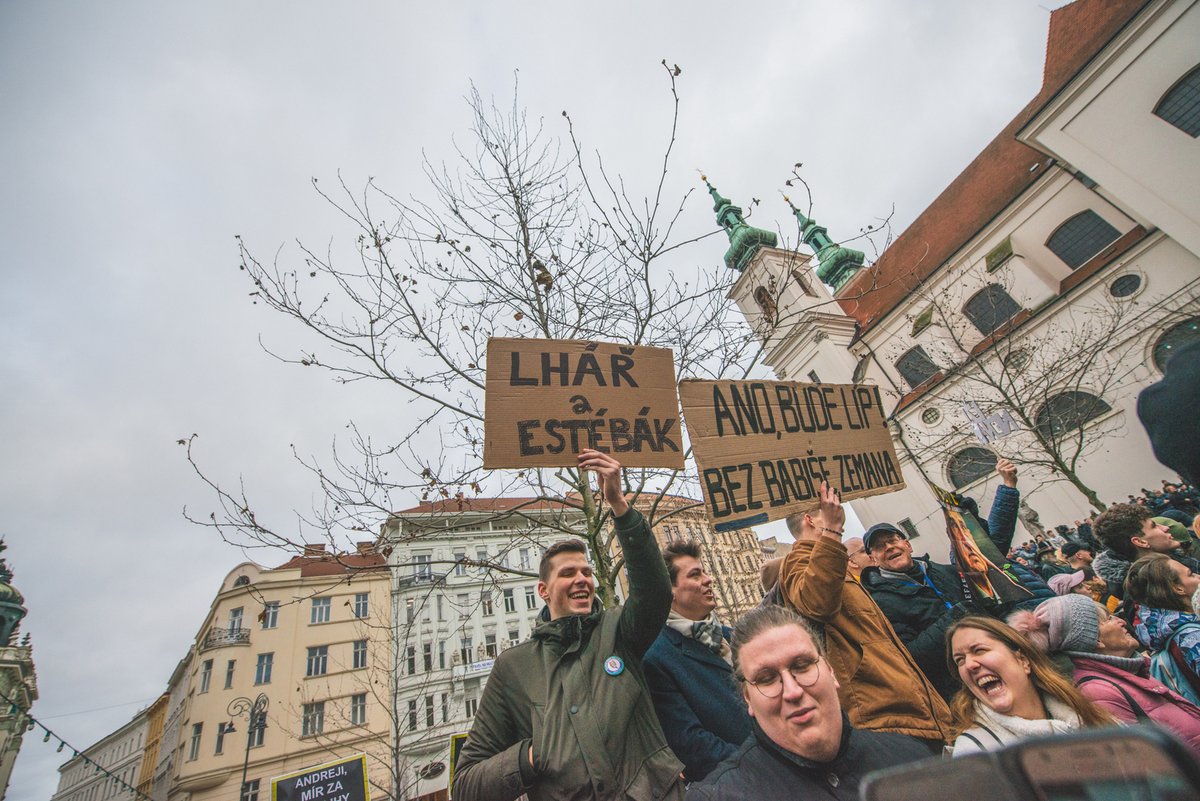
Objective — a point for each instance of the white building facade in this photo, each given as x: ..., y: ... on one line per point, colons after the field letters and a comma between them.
x: 1022, y: 312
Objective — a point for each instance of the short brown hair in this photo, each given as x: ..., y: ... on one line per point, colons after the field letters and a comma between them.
x: 1118, y: 524
x: 1151, y: 582
x: 764, y: 618
x: 677, y: 549
x: 562, y: 546
x: 769, y: 575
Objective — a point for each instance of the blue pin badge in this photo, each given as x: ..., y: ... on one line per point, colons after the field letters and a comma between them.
x: 613, y: 666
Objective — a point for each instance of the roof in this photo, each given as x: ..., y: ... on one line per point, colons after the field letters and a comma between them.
x: 490, y: 505
x: 329, y: 564
x: 997, y: 176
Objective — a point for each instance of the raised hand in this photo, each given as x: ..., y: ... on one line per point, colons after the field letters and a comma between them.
x: 608, y: 475
x: 831, y: 516
x: 1008, y: 472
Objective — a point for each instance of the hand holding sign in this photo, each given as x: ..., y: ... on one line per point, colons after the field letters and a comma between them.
x: 832, y: 515
x: 608, y: 475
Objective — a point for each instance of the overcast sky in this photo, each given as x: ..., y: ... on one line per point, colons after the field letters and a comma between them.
x: 139, y: 138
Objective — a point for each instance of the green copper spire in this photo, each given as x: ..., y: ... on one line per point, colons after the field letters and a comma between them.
x: 836, y: 264
x: 744, y: 240
x: 11, y: 608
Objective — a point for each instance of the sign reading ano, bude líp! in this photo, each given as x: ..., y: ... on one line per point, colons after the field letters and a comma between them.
x: 548, y: 399
x: 763, y: 447
x: 341, y: 780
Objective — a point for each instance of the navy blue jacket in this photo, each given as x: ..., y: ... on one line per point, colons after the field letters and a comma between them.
x: 702, y: 714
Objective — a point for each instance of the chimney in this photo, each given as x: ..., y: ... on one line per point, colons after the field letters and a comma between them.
x: 314, y: 549
x: 365, y: 548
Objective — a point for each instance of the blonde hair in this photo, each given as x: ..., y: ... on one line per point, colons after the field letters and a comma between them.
x: 1042, y: 673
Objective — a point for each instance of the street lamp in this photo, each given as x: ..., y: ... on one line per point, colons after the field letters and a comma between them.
x: 256, y: 722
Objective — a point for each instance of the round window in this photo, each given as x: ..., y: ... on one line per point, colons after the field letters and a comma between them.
x: 930, y: 416
x: 1125, y: 286
x: 1018, y: 360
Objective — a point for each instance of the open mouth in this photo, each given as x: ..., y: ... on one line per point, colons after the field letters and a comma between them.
x: 990, y: 685
x: 580, y: 595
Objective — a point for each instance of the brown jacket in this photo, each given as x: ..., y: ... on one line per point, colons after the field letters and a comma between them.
x: 882, y: 689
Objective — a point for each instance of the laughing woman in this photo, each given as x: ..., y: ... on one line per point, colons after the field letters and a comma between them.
x: 1010, y: 689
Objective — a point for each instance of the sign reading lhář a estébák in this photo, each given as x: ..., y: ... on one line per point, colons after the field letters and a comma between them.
x: 763, y: 447
x: 548, y: 399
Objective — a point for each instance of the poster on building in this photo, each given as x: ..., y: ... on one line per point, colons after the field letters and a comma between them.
x: 975, y: 556
x: 548, y: 399
x: 762, y: 448
x: 341, y: 780
x: 456, y: 743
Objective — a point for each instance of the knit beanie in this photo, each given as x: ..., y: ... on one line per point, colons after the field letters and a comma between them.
x: 1071, y: 622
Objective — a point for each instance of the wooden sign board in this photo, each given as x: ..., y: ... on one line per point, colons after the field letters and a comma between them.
x: 548, y: 399
x: 763, y: 447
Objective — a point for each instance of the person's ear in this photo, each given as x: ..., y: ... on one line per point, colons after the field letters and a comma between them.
x: 543, y: 591
x: 1139, y: 542
x: 1023, y: 661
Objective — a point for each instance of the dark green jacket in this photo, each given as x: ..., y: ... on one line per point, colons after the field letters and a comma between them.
x: 594, y: 735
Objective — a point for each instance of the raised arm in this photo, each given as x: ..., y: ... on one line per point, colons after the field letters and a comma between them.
x: 649, y: 600
x: 811, y: 578
x: 1002, y: 519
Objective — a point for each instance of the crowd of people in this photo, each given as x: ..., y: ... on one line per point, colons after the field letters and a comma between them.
x: 861, y: 656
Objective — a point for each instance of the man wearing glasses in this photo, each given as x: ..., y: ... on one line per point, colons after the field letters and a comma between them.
x: 802, y: 744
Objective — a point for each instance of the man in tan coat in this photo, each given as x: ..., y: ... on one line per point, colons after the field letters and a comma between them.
x: 882, y: 689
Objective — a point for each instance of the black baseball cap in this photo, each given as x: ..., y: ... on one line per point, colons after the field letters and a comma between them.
x: 878, y: 530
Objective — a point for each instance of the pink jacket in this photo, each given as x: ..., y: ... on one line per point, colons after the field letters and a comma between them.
x: 1164, y: 707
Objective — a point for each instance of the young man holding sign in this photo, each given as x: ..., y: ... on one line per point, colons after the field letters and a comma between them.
x: 566, y: 715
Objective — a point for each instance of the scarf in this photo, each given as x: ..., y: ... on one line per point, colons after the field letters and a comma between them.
x: 708, y: 632
x: 1011, y: 728
x: 1133, y: 664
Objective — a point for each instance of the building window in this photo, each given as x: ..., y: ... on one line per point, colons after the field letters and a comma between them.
x: 320, y: 610
x: 427, y: 656
x: 489, y: 645
x: 1173, y: 339
x: 990, y: 308
x: 429, y: 711
x: 464, y: 653
x: 481, y: 557
x: 263, y: 668
x: 318, y: 661
x: 485, y: 602
x: 360, y: 604
x: 194, y: 748
x: 1180, y: 106
x: 514, y: 637
x: 916, y: 367
x: 220, y: 738
x: 205, y: 674
x: 249, y: 791
x: 1080, y: 238
x: 255, y: 736
x: 442, y: 654
x: 523, y: 564
x: 1067, y: 412
x: 441, y: 607
x: 360, y: 654
x: 510, y: 601
x: 530, y: 598
x: 460, y: 563
x: 312, y: 719
x: 358, y: 709
x: 229, y: 673
x: 766, y: 303
x: 270, y: 616
x: 235, y: 619
x: 1125, y: 286
x: 930, y: 416
x: 472, y: 707
x: 410, y: 659
x: 969, y: 465
x: 445, y: 708
x: 422, y: 567
x: 410, y: 610
x: 860, y: 369
x: 464, y: 605
x: 412, y: 714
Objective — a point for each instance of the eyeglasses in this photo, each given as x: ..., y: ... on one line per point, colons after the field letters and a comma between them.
x: 804, y: 672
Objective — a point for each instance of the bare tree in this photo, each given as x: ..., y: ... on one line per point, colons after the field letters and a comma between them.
x: 1040, y: 386
x: 523, y: 236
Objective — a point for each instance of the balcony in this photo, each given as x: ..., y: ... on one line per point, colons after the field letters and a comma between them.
x: 219, y: 638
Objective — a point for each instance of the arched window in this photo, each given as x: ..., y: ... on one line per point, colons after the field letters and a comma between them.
x: 970, y: 465
x: 1180, y: 106
x: 1173, y: 339
x: 916, y: 367
x: 1068, y: 411
x: 1080, y: 238
x: 990, y: 308
x: 766, y: 303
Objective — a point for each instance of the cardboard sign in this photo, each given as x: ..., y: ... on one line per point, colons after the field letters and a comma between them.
x: 548, y: 399
x: 457, y: 741
x: 343, y: 780
x: 763, y: 447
